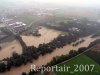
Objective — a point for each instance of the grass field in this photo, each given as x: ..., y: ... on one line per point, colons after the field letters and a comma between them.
x: 80, y: 60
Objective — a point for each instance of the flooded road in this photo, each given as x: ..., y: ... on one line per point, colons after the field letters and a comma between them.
x: 48, y: 57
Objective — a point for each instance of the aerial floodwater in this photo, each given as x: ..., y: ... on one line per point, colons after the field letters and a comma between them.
x: 42, y: 60
x: 47, y: 35
x: 9, y: 47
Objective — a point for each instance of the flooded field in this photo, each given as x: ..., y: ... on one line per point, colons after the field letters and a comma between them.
x: 47, y: 35
x: 8, y: 48
x: 14, y: 46
x: 48, y: 57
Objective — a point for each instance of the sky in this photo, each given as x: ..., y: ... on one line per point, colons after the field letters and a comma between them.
x: 80, y: 3
x: 84, y: 3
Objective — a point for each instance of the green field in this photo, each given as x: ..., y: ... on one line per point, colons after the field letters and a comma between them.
x: 26, y: 20
x: 80, y: 60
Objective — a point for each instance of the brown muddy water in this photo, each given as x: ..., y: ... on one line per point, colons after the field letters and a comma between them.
x: 48, y: 57
x: 9, y: 47
x: 47, y: 35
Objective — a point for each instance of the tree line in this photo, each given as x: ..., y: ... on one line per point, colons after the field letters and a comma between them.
x: 59, y: 59
x: 31, y: 53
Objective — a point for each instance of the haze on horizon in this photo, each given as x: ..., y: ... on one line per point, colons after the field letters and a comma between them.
x: 72, y: 3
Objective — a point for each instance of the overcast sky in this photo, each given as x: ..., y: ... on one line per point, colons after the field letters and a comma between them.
x: 86, y: 3
x: 81, y: 3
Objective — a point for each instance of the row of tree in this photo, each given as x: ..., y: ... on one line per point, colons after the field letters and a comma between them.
x: 95, y: 52
x: 85, y: 27
x: 79, y: 42
x: 31, y: 53
x: 59, y: 59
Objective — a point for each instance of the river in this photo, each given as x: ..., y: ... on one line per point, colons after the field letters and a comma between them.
x: 42, y: 60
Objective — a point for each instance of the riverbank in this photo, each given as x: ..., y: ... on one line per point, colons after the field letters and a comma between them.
x: 43, y: 60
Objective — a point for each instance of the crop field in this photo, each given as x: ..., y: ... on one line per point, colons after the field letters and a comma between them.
x: 81, y: 61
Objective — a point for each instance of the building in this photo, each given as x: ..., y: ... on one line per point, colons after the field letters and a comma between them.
x: 14, y: 26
